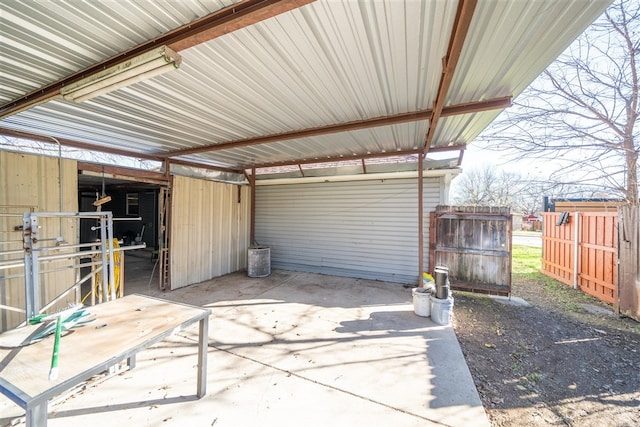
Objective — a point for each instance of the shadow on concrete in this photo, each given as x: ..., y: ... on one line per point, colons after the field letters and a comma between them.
x: 295, y: 344
x: 123, y: 406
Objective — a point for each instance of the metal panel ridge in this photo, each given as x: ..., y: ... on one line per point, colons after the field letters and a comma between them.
x: 44, y: 41
x: 354, y: 229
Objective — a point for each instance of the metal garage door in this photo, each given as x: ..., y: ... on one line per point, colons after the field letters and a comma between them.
x: 364, y: 229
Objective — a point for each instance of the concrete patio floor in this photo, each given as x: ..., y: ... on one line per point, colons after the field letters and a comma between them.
x: 290, y: 349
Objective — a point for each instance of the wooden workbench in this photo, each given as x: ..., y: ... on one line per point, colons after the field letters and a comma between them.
x: 122, y: 328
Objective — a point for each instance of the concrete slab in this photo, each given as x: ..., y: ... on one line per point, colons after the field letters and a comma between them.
x: 597, y: 309
x: 517, y: 301
x: 289, y: 349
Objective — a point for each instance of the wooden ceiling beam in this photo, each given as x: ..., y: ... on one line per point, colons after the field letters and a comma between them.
x: 461, y: 25
x: 467, y: 108
x: 216, y: 24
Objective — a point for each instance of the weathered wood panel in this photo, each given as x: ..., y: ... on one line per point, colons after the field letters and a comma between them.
x: 475, y: 244
x: 629, y: 267
x: 33, y: 183
x: 209, y: 230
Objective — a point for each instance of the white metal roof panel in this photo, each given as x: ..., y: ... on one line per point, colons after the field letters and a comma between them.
x: 328, y: 62
x: 384, y: 139
x: 43, y: 41
x: 525, y: 37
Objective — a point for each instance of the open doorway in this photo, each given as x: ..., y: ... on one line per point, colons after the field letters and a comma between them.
x: 137, y: 222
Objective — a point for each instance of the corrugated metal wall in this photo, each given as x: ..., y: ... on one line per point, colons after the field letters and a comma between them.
x: 364, y: 229
x: 33, y: 182
x: 209, y: 229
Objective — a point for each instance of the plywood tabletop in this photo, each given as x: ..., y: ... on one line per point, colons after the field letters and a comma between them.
x: 123, y: 325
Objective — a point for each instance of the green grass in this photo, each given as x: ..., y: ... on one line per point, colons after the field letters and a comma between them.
x: 526, y: 264
x: 525, y: 260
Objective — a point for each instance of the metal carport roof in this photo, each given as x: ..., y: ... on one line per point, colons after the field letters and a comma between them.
x: 268, y: 83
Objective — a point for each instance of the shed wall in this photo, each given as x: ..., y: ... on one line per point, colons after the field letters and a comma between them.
x: 209, y: 230
x: 32, y: 182
x: 363, y: 229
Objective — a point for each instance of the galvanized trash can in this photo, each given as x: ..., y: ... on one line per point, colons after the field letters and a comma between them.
x: 259, y: 261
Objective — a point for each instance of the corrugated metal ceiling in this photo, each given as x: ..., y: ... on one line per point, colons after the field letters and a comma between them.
x: 325, y: 63
x: 45, y: 41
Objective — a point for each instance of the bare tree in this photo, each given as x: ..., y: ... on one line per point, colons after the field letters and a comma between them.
x: 491, y: 186
x: 583, y: 110
x: 486, y: 186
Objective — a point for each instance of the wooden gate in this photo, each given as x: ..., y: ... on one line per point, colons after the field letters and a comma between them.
x: 629, y: 267
x: 475, y: 244
x: 581, y: 250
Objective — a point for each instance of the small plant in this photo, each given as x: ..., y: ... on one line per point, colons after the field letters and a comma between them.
x: 572, y: 306
x: 533, y: 377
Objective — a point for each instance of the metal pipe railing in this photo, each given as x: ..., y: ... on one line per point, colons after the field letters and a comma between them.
x: 33, y: 255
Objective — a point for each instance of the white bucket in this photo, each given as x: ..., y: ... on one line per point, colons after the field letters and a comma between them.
x: 442, y: 310
x: 421, y: 301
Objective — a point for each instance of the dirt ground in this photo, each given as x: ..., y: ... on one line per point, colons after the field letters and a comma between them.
x: 565, y: 360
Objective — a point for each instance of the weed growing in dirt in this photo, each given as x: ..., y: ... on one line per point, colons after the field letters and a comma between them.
x: 533, y: 377
x: 526, y: 266
x: 570, y: 298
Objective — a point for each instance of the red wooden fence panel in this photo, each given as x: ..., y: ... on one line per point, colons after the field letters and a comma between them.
x: 598, y: 266
x: 595, y: 269
x: 557, y: 248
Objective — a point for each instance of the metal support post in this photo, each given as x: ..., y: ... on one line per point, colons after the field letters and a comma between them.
x: 112, y: 271
x: 30, y: 243
x: 105, y: 266
x: 203, y: 347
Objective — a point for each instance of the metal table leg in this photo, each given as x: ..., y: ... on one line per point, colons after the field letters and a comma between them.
x: 37, y: 415
x: 203, y: 341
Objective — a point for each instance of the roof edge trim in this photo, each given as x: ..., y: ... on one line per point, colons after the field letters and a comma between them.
x: 363, y: 177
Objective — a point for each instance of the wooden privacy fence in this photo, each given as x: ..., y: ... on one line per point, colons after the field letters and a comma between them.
x: 580, y: 249
x: 629, y: 267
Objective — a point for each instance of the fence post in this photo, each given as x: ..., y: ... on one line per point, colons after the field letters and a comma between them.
x: 576, y: 243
